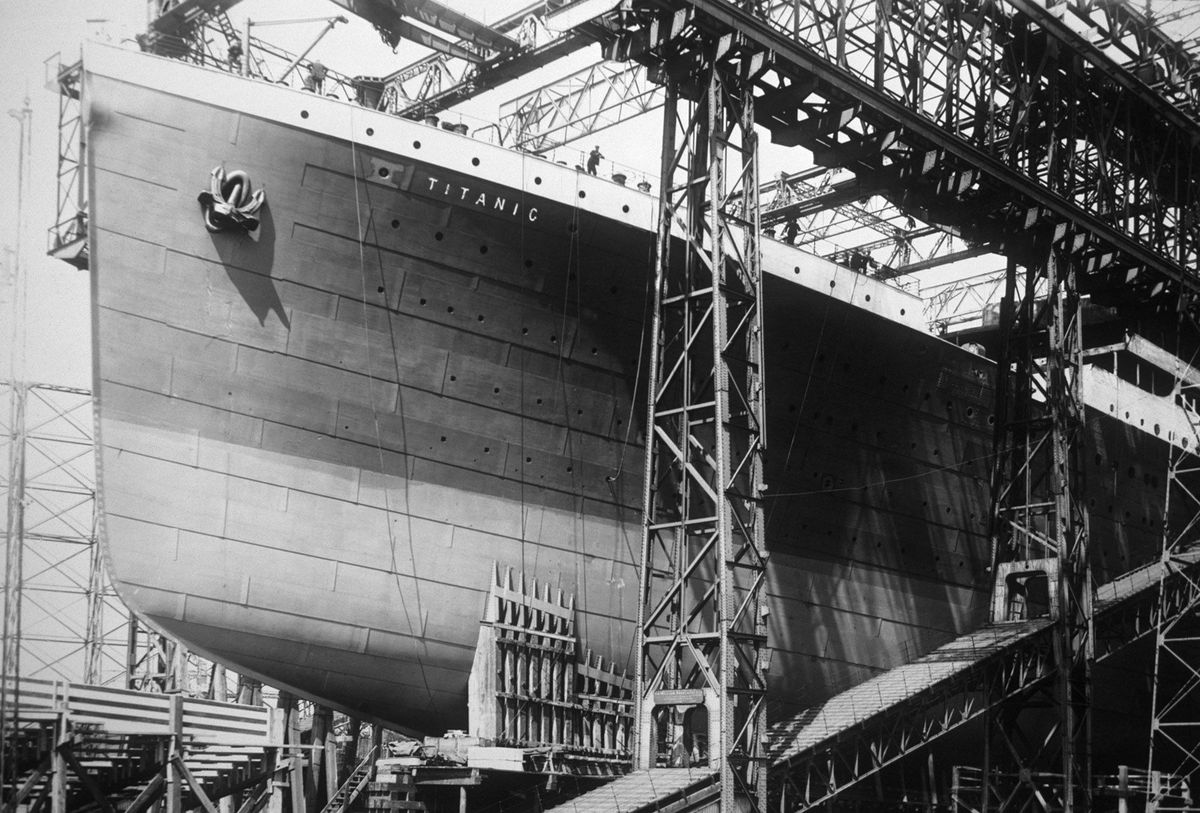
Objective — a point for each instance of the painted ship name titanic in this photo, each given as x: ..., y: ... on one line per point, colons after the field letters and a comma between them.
x: 460, y: 190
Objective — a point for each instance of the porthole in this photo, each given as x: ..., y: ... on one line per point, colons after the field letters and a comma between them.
x: 474, y: 162
x: 370, y: 131
x: 384, y: 172
x: 303, y: 114
x: 416, y: 145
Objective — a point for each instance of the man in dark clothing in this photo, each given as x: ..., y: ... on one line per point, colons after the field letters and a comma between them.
x: 315, y: 81
x: 593, y: 162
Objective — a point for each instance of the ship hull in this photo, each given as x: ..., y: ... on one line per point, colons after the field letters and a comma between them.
x: 319, y: 442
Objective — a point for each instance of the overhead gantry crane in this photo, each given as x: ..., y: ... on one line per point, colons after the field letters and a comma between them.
x: 1063, y: 136
x: 999, y: 121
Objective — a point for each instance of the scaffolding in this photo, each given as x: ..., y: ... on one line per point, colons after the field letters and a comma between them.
x: 73, y: 627
x: 1174, y: 757
x: 701, y: 630
x: 935, y: 105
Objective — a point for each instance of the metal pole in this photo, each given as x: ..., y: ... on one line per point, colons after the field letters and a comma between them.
x: 14, y: 539
x: 328, y: 27
x: 246, y: 48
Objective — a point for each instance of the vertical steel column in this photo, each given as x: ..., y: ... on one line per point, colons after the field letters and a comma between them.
x: 1073, y: 640
x: 702, y: 627
x: 1175, y: 722
x: 154, y: 662
x: 14, y: 557
x: 68, y: 235
x: 1040, y: 532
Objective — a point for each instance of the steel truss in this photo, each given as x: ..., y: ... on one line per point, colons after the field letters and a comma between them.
x: 1039, y: 523
x: 590, y: 100
x: 827, y: 750
x: 62, y: 621
x: 477, y: 59
x: 1175, y: 724
x: 72, y: 624
x: 702, y: 630
x: 984, y: 119
x: 605, y: 94
x: 962, y: 302
x: 68, y: 235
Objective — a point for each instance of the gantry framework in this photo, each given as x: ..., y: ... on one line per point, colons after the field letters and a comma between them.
x: 1001, y: 123
x: 1039, y: 526
x: 1175, y: 722
x: 1063, y: 137
x: 62, y: 620
x: 72, y: 625
x: 701, y: 630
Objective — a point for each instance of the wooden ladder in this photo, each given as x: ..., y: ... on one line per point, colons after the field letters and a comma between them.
x: 354, y: 784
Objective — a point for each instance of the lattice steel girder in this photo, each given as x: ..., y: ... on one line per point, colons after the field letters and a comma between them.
x: 931, y: 92
x: 604, y: 94
x: 821, y: 773
x: 438, y: 72
x: 701, y: 630
x: 1108, y: 32
x: 1175, y: 719
x: 588, y: 101
x: 1039, y: 525
x: 178, y: 17
x: 1019, y: 661
x: 564, y: 26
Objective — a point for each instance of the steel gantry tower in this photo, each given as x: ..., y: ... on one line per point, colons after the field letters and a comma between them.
x: 1031, y: 130
x: 1062, y: 135
x: 1039, y: 528
x: 1174, y: 759
x: 702, y: 630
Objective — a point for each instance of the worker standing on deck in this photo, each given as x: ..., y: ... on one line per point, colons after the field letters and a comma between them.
x: 593, y: 162
x: 315, y: 81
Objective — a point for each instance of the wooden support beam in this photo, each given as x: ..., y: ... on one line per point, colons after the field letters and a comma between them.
x: 174, y: 790
x: 32, y: 782
x: 58, y: 770
x: 196, y: 786
x: 85, y: 778
x: 257, y: 801
x: 43, y: 797
x: 149, y: 794
x: 256, y: 777
x: 288, y: 703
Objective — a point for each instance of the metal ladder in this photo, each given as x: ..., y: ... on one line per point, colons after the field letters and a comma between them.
x: 353, y: 786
